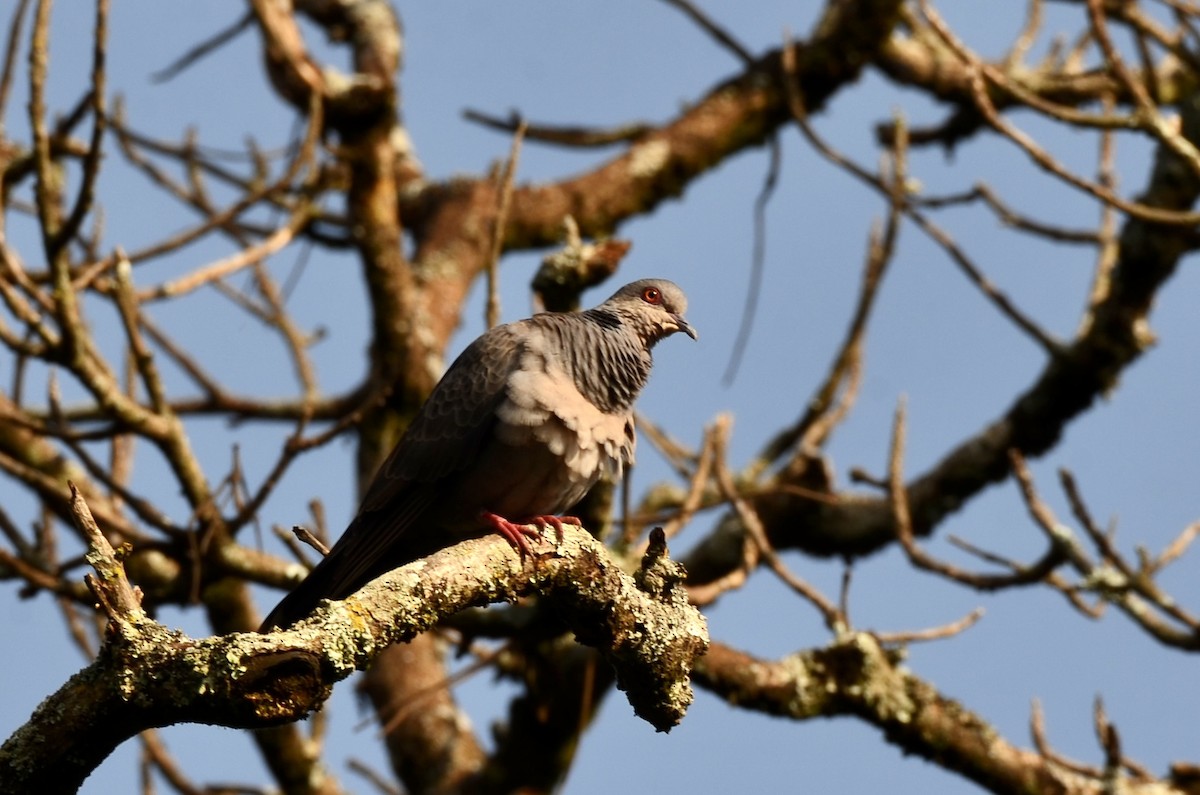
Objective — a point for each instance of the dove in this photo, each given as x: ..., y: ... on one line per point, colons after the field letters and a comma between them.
x: 523, y: 423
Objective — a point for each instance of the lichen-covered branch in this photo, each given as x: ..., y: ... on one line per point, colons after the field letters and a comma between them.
x: 149, y: 676
x: 857, y: 677
x: 737, y: 114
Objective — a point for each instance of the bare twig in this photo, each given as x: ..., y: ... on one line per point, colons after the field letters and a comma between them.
x: 91, y: 161
x: 957, y: 255
x: 1148, y: 113
x: 157, y: 756
x: 833, y: 618
x: 507, y: 177
x: 823, y: 411
x: 120, y: 600
x: 697, y: 487
x: 372, y: 776
x: 1011, y: 218
x: 1031, y: 148
x: 718, y: 33
x: 1037, y: 730
x: 11, y: 48
x: 233, y: 263
x: 1022, y: 575
x: 575, y: 137
x: 1113, y: 578
x: 205, y: 47
x: 933, y: 633
x: 306, y: 536
x: 1028, y: 35
x: 758, y: 253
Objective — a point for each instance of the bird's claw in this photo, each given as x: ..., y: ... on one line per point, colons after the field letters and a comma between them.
x: 557, y: 523
x: 519, y: 533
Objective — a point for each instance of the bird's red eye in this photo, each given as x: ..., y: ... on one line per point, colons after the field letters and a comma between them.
x: 652, y: 295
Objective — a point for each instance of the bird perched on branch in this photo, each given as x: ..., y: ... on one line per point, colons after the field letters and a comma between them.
x: 520, y: 427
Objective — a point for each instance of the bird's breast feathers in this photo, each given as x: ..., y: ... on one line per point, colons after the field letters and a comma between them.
x: 543, y: 404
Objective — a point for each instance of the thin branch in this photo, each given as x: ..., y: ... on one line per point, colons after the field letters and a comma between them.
x: 1037, y: 730
x: 833, y: 618
x: 823, y: 411
x: 46, y: 194
x: 1011, y: 218
x: 1036, y: 153
x: 282, y: 236
x: 718, y: 33
x: 1177, y: 547
x: 898, y: 494
x: 989, y: 290
x: 1028, y: 35
x: 156, y: 755
x: 758, y: 255
x: 143, y: 358
x: 372, y: 777
x: 1148, y: 113
x: 507, y: 177
x: 573, y: 137
x: 91, y: 161
x: 933, y: 633
x: 12, y: 47
x: 1112, y: 578
x: 697, y: 487
x: 305, y: 536
x: 205, y: 47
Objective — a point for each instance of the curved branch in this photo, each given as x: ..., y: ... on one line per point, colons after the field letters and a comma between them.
x: 149, y: 676
x: 739, y: 113
x: 856, y: 676
x: 374, y: 35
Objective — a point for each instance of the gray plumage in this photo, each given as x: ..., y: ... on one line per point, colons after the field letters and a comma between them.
x: 524, y: 422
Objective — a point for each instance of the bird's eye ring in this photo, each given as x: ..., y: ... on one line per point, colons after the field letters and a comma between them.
x: 652, y: 295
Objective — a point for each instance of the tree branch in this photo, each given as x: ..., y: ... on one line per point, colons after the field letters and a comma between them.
x: 1115, y: 333
x: 856, y: 676
x: 148, y: 676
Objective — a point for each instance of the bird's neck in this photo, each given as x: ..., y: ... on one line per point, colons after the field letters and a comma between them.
x: 612, y: 367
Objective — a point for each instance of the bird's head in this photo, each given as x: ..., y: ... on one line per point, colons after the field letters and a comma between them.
x: 653, y: 307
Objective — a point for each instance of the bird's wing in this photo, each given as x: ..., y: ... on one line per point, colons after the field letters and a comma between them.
x: 455, y: 422
x: 447, y: 434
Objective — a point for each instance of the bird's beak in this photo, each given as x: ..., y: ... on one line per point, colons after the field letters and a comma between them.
x: 684, y: 326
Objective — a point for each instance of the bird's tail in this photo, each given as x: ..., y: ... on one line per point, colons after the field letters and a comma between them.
x: 364, y: 552
x: 303, y: 599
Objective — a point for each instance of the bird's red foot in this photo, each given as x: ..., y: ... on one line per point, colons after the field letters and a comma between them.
x: 519, y: 533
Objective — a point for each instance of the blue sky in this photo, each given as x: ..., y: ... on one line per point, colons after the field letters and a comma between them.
x: 934, y: 339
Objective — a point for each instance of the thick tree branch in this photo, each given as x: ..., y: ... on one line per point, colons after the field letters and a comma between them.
x: 662, y: 162
x: 855, y: 676
x: 421, y: 246
x: 148, y: 676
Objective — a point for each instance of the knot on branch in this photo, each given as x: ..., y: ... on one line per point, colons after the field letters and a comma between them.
x: 281, y: 686
x: 658, y: 574
x: 658, y: 641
